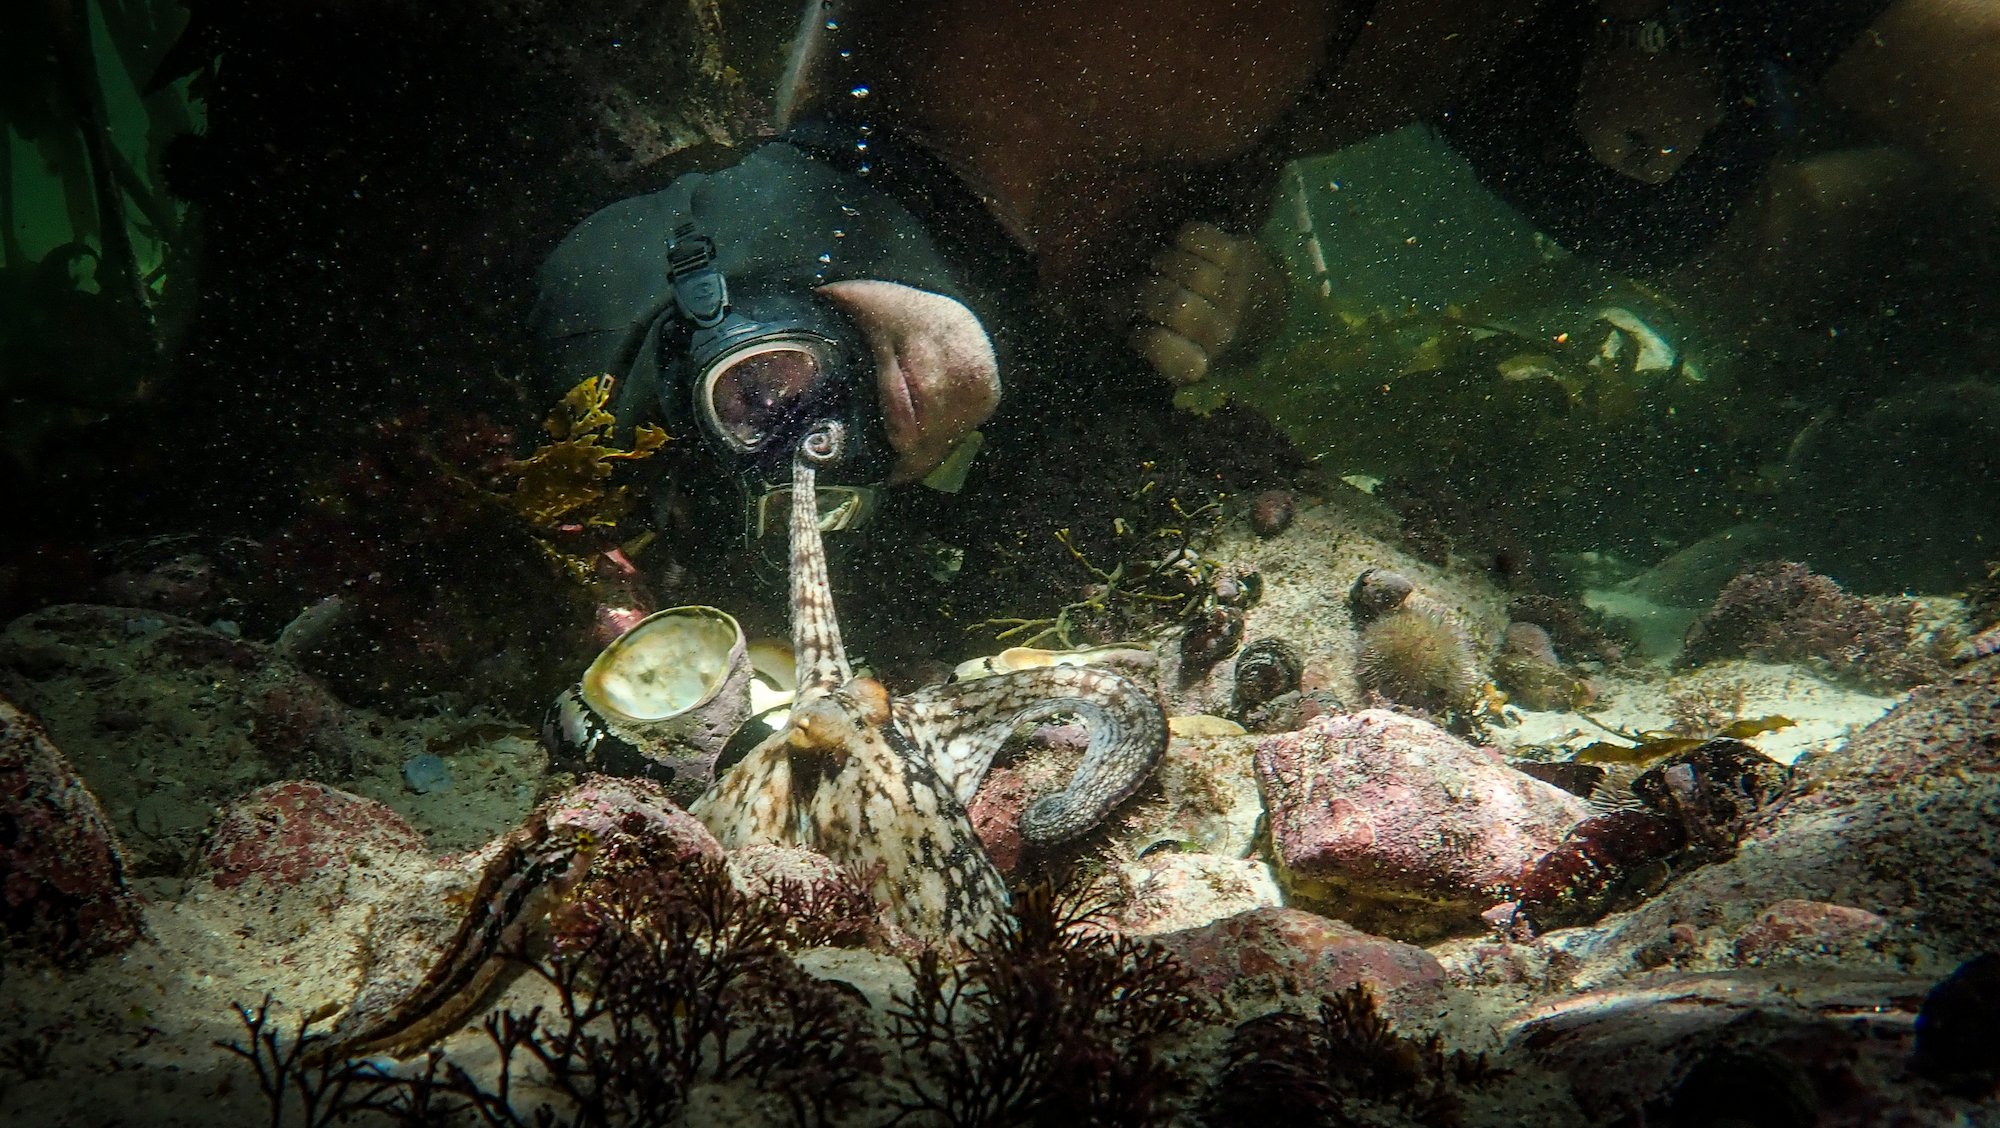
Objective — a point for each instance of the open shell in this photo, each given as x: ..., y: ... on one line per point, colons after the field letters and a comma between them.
x: 660, y: 701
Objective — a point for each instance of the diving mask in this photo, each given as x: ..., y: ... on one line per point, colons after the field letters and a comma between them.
x: 762, y: 375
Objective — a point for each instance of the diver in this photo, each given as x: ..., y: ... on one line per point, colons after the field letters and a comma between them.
x: 961, y: 193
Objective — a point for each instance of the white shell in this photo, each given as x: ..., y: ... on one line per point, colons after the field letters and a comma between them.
x: 1032, y: 658
x: 668, y: 663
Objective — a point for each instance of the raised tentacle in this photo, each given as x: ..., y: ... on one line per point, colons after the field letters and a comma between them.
x: 822, y: 660
x: 964, y: 724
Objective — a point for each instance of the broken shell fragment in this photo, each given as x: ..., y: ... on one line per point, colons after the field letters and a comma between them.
x: 1376, y: 592
x: 1014, y: 658
x: 659, y: 702
x: 1191, y: 725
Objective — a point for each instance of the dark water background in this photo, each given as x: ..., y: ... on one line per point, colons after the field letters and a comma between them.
x: 302, y: 337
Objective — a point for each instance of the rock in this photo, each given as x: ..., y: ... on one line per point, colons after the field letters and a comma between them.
x: 1170, y: 892
x: 1786, y: 612
x: 62, y: 874
x: 294, y: 830
x: 1806, y: 932
x: 185, y: 584
x: 426, y: 772
x: 1902, y: 821
x: 1397, y: 824
x: 1208, y: 800
x: 632, y: 821
x: 1955, y: 1044
x: 173, y: 717
x: 996, y: 816
x: 1271, y: 512
x: 1531, y: 673
x: 760, y: 867
x: 814, y: 885
x: 1263, y: 959
x: 1742, y: 1047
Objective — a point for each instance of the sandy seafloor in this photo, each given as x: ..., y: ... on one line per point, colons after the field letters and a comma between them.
x: 131, y: 1038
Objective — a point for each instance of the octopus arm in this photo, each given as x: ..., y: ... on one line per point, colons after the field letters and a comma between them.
x: 964, y: 725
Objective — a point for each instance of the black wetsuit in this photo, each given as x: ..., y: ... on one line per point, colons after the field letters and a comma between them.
x: 832, y: 201
x: 1518, y: 132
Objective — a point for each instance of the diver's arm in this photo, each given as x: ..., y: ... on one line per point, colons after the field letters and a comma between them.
x: 1203, y: 294
x: 1924, y: 75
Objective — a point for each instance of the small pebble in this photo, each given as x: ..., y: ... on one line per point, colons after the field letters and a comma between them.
x: 425, y: 773
x: 1271, y: 512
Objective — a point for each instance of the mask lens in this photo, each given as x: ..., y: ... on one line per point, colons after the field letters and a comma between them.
x: 751, y: 394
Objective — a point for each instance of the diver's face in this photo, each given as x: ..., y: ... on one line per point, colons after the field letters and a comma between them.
x: 935, y: 371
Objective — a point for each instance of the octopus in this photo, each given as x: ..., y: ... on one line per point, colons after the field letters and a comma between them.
x: 873, y: 780
x: 881, y: 782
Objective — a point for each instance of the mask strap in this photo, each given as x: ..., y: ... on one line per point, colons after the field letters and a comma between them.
x: 699, y: 289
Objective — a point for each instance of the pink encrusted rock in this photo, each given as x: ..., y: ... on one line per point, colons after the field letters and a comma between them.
x: 1898, y: 820
x: 634, y: 817
x: 1794, y: 931
x: 290, y: 831
x: 62, y: 875
x: 1270, y: 957
x: 1379, y: 807
x: 996, y: 816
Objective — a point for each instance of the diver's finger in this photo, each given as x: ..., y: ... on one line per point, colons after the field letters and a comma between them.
x: 1192, y: 271
x: 1167, y: 303
x: 1210, y: 242
x: 1173, y: 356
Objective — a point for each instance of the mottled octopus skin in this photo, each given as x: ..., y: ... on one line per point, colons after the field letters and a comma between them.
x: 861, y: 777
x: 882, y: 783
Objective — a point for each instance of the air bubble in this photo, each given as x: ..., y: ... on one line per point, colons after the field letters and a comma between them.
x: 824, y: 257
x: 859, y: 92
x: 833, y: 25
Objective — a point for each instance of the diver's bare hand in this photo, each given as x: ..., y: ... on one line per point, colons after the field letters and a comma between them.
x: 1206, y: 291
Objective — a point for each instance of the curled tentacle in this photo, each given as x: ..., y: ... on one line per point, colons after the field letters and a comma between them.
x: 967, y: 722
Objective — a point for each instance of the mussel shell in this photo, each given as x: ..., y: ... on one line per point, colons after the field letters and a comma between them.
x: 1266, y: 669
x: 1211, y: 637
